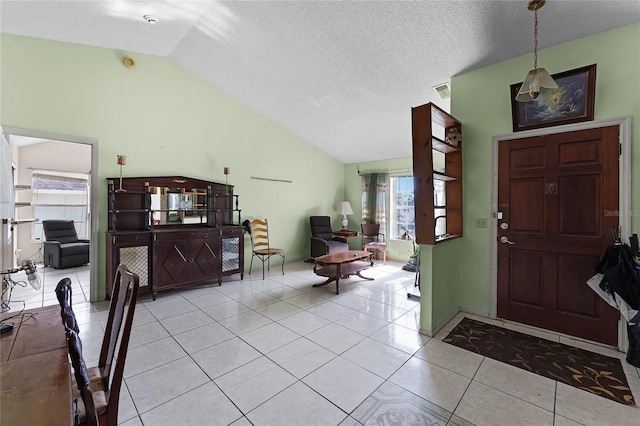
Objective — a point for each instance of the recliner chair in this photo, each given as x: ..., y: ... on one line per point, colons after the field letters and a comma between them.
x: 62, y: 248
x: 322, y: 239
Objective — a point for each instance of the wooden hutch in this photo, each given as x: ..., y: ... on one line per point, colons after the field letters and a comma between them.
x: 173, y: 231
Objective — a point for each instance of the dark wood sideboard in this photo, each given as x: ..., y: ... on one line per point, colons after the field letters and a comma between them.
x: 173, y: 231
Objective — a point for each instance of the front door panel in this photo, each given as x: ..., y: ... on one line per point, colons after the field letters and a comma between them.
x: 553, y: 192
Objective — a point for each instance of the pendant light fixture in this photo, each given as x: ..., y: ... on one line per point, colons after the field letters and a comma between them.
x: 538, y: 79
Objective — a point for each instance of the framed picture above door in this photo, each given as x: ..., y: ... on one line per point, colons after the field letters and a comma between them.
x: 572, y: 102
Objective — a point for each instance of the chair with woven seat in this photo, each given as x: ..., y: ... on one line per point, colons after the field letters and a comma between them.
x: 260, y: 245
x: 373, y: 239
x: 105, y: 385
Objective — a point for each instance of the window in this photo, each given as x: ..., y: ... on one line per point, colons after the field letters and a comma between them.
x: 402, y: 211
x: 60, y: 195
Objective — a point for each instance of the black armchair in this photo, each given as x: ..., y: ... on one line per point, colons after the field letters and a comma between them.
x: 62, y: 248
x: 322, y: 239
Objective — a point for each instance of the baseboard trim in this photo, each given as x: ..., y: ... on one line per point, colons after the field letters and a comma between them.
x: 476, y: 313
x: 425, y: 332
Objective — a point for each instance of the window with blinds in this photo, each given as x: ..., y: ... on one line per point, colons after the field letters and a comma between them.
x: 60, y: 195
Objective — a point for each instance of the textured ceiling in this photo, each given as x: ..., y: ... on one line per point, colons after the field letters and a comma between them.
x: 342, y: 75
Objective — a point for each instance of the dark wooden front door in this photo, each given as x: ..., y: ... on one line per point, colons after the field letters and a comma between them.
x: 558, y: 195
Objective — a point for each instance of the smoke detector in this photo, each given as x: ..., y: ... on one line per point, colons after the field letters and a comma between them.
x: 443, y: 90
x: 150, y: 19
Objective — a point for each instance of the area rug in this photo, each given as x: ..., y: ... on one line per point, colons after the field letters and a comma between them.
x: 599, y: 374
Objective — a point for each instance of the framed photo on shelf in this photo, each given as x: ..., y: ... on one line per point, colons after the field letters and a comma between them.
x: 572, y: 102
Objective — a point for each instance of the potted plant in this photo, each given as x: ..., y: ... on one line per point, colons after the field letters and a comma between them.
x: 412, y: 263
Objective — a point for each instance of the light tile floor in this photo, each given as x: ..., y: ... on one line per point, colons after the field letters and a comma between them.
x: 278, y: 352
x: 25, y: 296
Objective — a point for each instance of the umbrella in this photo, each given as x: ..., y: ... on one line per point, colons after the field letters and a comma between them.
x: 619, y: 275
x: 618, y: 282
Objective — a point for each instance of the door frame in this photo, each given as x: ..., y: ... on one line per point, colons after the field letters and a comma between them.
x: 624, y: 127
x: 94, y: 145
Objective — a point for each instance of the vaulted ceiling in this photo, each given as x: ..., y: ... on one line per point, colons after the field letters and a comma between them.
x: 342, y: 75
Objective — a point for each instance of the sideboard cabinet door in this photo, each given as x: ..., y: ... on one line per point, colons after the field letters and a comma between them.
x: 134, y: 250
x: 186, y: 257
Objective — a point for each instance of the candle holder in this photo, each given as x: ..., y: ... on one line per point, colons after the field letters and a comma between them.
x: 227, y: 170
x: 122, y: 160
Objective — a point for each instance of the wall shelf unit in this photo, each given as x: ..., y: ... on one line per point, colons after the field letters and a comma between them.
x: 437, y: 138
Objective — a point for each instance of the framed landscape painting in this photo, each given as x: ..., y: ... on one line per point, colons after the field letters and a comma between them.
x: 572, y: 102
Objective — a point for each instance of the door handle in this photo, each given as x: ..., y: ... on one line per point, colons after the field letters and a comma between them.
x: 505, y: 240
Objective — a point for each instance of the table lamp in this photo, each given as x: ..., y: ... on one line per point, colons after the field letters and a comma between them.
x: 344, y: 209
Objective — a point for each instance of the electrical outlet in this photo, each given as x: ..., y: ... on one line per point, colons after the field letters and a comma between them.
x: 481, y: 222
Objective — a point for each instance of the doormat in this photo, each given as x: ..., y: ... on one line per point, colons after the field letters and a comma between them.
x: 599, y: 374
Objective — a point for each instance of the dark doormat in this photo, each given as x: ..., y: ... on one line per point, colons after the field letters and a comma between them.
x: 599, y: 374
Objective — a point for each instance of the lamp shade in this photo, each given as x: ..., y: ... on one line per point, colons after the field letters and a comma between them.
x: 345, y: 208
x: 538, y: 81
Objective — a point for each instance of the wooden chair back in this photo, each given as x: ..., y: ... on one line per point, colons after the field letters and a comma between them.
x: 63, y: 294
x: 260, y: 245
x: 89, y: 415
x: 259, y: 235
x: 371, y: 232
x: 118, y: 330
x: 373, y: 239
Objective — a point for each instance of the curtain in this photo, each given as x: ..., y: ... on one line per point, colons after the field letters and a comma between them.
x: 375, y: 190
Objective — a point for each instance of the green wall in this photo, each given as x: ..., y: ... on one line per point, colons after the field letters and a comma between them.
x: 481, y: 101
x: 167, y: 121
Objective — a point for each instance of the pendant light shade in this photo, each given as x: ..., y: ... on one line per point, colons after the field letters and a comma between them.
x: 538, y: 80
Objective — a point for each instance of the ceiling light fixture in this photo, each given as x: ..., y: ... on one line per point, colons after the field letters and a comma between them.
x: 538, y: 79
x: 150, y: 19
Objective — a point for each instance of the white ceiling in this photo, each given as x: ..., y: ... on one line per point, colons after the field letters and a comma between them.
x: 342, y: 75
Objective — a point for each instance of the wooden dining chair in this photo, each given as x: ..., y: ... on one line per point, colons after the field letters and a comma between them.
x: 373, y: 239
x: 107, y: 376
x: 261, y: 247
x: 85, y: 408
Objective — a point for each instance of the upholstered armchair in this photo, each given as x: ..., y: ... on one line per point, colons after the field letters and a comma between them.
x: 62, y: 248
x: 322, y: 239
